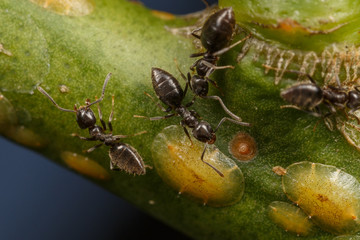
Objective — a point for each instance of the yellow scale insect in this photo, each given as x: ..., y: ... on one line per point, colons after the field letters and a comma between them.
x: 177, y: 162
x: 329, y: 196
x: 290, y: 218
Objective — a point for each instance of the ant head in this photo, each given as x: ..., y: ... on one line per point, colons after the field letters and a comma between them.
x: 204, y: 132
x: 85, y: 117
x: 354, y: 99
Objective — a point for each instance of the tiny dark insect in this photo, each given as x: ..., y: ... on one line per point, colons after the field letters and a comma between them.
x: 169, y: 91
x: 216, y: 35
x: 308, y: 97
x: 122, y: 156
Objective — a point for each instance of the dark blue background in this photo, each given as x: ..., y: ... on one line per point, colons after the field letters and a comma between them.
x: 40, y: 200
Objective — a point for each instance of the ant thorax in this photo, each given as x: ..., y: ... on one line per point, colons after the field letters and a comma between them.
x: 335, y: 97
x: 189, y: 119
x: 202, y: 68
x: 96, y: 131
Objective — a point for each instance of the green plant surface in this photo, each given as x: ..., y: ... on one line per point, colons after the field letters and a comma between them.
x: 128, y: 40
x: 296, y: 24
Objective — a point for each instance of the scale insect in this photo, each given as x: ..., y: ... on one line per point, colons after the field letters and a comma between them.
x: 122, y: 156
x: 328, y: 195
x: 176, y: 161
x: 169, y: 91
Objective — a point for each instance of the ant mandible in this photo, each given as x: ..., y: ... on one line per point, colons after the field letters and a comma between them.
x: 122, y: 156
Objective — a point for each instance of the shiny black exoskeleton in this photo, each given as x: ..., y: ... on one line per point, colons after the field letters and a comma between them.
x: 308, y: 97
x: 122, y: 156
x: 216, y: 35
x: 200, y: 87
x: 169, y: 91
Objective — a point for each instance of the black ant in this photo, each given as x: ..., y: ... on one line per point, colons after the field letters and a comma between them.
x: 122, y: 156
x: 200, y: 87
x: 216, y: 34
x: 169, y: 91
x: 308, y: 96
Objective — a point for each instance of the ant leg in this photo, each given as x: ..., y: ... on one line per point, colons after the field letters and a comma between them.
x: 233, y: 121
x: 94, y: 147
x: 224, y: 50
x: 181, y: 73
x: 83, y: 138
x: 186, y: 131
x: 194, y: 31
x: 215, y: 85
x: 118, y: 137
x: 224, y: 107
x: 214, y: 67
x: 111, y: 114
x: 194, y: 55
x: 100, y: 115
x: 157, y: 104
x: 191, y: 103
x: 206, y: 3
x: 338, y: 81
x: 351, y: 113
x: 156, y: 118
x: 315, y: 114
x: 202, y: 159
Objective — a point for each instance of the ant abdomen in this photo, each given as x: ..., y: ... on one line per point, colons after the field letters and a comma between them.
x: 167, y: 87
x: 125, y: 157
x: 218, y: 30
x: 303, y: 95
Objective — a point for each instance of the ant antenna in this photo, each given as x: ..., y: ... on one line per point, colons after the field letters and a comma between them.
x: 103, y: 90
x: 53, y: 101
x: 206, y: 3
